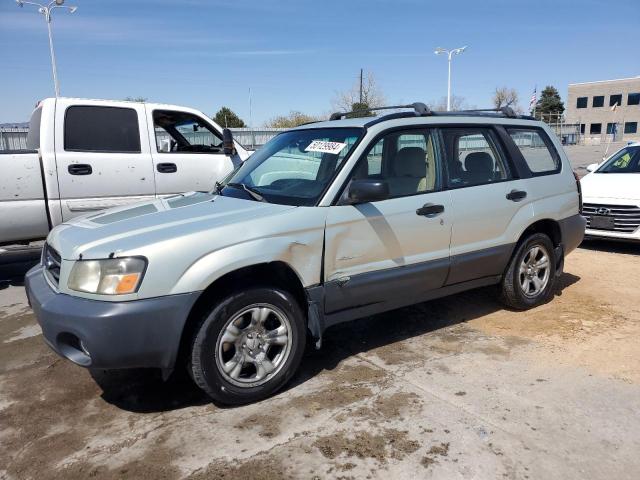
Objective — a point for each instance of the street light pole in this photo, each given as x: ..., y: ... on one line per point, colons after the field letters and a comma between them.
x: 46, y: 11
x: 450, y: 54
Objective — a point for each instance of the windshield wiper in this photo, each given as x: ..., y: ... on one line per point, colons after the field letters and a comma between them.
x: 250, y: 190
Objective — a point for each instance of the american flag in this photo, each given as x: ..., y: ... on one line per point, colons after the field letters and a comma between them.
x: 534, y: 100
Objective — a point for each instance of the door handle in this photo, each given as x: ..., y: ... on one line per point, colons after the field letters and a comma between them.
x: 167, y: 168
x: 80, y: 169
x: 430, y: 210
x: 516, y: 195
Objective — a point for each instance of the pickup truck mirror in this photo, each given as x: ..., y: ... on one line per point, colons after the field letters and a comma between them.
x: 593, y: 167
x: 368, y: 190
x: 228, y: 146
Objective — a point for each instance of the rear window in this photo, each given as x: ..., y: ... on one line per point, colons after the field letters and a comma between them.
x: 33, y: 137
x: 541, y: 157
x: 101, y: 129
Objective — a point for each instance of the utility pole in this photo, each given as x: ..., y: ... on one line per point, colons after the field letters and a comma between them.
x: 360, y: 85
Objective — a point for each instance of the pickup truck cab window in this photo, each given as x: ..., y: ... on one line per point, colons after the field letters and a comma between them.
x: 295, y: 167
x: 473, y: 157
x: 181, y: 132
x: 89, y: 128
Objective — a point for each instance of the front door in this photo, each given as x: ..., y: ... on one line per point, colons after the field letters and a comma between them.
x: 187, y: 152
x: 102, y: 155
x: 391, y: 251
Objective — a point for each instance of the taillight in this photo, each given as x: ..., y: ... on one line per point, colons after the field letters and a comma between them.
x: 575, y: 175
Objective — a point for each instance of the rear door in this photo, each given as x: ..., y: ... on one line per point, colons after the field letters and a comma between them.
x: 102, y: 155
x: 187, y: 151
x: 486, y: 198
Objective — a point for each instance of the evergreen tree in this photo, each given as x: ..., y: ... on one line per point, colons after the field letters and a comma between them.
x: 227, y: 118
x: 360, y: 109
x: 549, y: 107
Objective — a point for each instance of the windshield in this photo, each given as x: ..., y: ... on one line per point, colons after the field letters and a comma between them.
x: 626, y: 160
x: 295, y: 167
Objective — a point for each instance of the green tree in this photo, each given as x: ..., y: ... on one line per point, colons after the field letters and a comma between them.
x: 360, y: 110
x: 549, y: 107
x: 290, y: 121
x: 227, y: 118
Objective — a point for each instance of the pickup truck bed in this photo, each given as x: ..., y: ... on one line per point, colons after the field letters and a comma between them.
x: 23, y: 214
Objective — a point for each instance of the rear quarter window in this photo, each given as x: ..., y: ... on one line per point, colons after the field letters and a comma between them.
x: 101, y: 129
x: 535, y: 146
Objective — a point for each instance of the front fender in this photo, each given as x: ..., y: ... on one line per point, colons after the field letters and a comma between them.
x: 302, y: 253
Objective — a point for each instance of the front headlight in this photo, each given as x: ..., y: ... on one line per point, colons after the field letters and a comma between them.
x: 113, y: 276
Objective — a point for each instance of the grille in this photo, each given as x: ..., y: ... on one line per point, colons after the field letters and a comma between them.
x: 626, y: 218
x: 51, y: 262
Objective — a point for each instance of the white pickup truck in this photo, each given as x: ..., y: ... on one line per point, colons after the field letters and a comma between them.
x: 88, y: 155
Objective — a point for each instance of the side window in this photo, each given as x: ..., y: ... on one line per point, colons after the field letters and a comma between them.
x: 181, y: 132
x: 406, y: 160
x: 374, y: 159
x: 538, y: 153
x: 89, y: 128
x: 473, y: 157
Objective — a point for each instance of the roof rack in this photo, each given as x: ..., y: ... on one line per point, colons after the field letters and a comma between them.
x: 506, y: 111
x: 419, y: 109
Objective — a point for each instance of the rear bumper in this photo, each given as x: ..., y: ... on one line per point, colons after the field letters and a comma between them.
x: 109, y: 335
x: 572, y: 231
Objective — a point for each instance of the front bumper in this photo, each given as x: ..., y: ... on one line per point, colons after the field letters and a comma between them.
x: 109, y: 335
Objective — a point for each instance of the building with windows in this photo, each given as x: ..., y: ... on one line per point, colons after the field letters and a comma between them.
x: 590, y: 106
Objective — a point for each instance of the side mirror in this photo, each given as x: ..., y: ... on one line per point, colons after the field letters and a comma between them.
x: 368, y: 190
x: 228, y: 147
x: 593, y: 167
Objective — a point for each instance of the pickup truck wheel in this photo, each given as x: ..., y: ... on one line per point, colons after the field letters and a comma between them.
x: 530, y: 276
x: 248, y: 345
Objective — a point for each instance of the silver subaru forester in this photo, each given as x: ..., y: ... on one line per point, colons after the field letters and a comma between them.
x: 328, y: 222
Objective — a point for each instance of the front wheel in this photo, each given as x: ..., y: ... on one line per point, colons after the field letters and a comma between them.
x: 248, y: 345
x: 530, y: 276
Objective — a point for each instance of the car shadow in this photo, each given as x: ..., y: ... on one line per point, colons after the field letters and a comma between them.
x: 144, y: 391
x: 612, y: 246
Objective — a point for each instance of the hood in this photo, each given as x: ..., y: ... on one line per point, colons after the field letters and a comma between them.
x: 611, y: 185
x: 112, y: 231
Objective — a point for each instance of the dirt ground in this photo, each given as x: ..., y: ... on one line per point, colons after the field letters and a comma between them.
x: 453, y: 388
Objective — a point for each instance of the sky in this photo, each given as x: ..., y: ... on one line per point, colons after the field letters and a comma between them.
x: 297, y: 54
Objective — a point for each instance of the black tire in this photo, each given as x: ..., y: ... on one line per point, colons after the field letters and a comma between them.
x: 512, y: 292
x: 204, y: 359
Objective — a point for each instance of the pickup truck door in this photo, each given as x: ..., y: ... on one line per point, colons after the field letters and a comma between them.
x: 102, y: 155
x: 394, y: 251
x: 187, y: 151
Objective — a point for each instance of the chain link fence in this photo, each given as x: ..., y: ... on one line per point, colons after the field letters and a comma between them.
x: 15, y: 139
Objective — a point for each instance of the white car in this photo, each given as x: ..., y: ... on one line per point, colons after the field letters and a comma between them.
x: 611, y: 193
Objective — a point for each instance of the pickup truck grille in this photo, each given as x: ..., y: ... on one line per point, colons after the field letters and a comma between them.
x: 51, y: 261
x: 626, y: 218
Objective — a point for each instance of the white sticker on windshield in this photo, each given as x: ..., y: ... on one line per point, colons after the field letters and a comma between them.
x: 325, y: 147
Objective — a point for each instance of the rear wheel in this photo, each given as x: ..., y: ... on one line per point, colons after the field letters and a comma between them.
x: 530, y: 277
x: 248, y: 345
